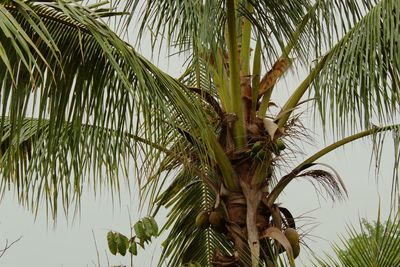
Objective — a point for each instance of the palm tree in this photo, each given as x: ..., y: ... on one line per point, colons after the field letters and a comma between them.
x: 375, y: 244
x: 79, y: 104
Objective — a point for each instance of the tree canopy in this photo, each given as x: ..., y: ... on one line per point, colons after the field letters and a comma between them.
x: 375, y: 244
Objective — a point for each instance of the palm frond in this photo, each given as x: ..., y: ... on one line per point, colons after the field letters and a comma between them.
x: 69, y: 68
x: 359, y: 85
x: 37, y: 175
x: 327, y: 22
x: 307, y: 27
x: 275, y: 21
x: 375, y: 244
x: 311, y: 161
x: 186, y: 197
x: 183, y: 23
x: 331, y: 183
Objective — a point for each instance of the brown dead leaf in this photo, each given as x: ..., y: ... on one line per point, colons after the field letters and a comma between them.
x: 270, y: 79
x: 245, y: 86
x: 275, y: 233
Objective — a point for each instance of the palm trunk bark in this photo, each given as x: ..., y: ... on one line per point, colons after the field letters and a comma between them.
x: 246, y: 215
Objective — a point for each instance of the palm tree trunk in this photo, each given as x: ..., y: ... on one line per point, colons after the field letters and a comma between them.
x: 253, y: 198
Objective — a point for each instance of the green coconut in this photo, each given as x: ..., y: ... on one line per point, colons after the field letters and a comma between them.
x: 294, y: 239
x: 296, y: 250
x: 292, y: 235
x: 280, y: 145
x: 202, y: 220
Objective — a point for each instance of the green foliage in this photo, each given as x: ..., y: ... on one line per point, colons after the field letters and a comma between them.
x: 122, y: 244
x: 140, y: 230
x: 133, y: 248
x: 187, y: 196
x: 375, y: 244
x: 95, y: 99
x: 150, y: 226
x: 117, y: 243
x: 144, y: 229
x: 112, y: 242
x: 193, y: 264
x: 362, y: 78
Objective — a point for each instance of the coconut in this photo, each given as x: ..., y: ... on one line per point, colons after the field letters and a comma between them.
x: 292, y: 235
x: 202, y: 221
x: 280, y: 144
x: 294, y: 240
x: 296, y: 250
x: 217, y: 221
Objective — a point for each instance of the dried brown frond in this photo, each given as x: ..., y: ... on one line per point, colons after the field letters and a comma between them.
x: 331, y: 183
x: 295, y: 135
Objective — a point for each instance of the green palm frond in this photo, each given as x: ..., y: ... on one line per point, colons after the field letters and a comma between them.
x: 198, y: 78
x: 356, y: 83
x: 375, y: 132
x: 38, y: 175
x: 359, y: 84
x: 307, y: 27
x: 183, y: 25
x: 376, y: 244
x: 326, y: 22
x: 197, y: 74
x: 358, y: 87
x: 276, y: 22
x: 183, y: 22
x: 186, y: 197
x: 70, y: 68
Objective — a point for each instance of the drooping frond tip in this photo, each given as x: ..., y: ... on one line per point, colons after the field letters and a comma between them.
x: 331, y: 183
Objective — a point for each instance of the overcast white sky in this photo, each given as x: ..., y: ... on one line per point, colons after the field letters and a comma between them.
x: 71, y: 244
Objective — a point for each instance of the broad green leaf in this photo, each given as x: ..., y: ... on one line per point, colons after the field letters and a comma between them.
x: 154, y: 226
x: 123, y: 243
x: 112, y: 242
x: 133, y: 248
x: 140, y: 230
x: 149, y: 227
